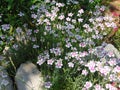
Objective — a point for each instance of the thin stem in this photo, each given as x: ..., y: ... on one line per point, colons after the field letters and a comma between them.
x: 12, y: 63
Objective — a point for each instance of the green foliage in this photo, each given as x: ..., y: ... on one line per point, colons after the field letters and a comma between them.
x: 11, y: 8
x: 116, y: 39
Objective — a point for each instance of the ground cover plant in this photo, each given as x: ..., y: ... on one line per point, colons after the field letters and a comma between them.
x: 65, y: 40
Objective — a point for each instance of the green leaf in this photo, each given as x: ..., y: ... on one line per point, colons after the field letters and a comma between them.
x: 9, y: 7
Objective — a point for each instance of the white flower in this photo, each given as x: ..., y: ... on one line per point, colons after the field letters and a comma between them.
x: 80, y: 20
x: 35, y: 46
x: 60, y: 4
x: 15, y: 46
x: 102, y: 8
x: 61, y: 17
x: 68, y: 45
x: 71, y: 64
x: 86, y: 26
x: 34, y: 16
x: 70, y: 14
x: 18, y: 30
x: 48, y: 84
x: 32, y: 7
x: 47, y: 21
x: 81, y: 11
x: 41, y: 61
x: 68, y: 19
x: 21, y: 14
x: 48, y: 27
x: 99, y: 19
x: 73, y: 21
x: 5, y: 27
x: 91, y: 19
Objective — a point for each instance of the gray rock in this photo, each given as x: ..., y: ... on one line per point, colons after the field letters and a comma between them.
x: 28, y: 77
x: 110, y: 47
x: 5, y: 81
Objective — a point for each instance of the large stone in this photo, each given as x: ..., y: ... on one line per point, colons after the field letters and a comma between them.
x: 5, y: 81
x: 111, y: 48
x: 28, y: 77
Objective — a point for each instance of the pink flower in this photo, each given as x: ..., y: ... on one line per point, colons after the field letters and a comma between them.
x: 68, y: 45
x: 105, y: 70
x: 91, y: 66
x: 50, y: 62
x: 107, y: 86
x: 74, y: 54
x: 59, y: 64
x: 83, y: 54
x: 117, y: 69
x: 110, y: 87
x: 112, y: 62
x: 115, y: 29
x: 97, y: 87
x: 110, y: 54
x: 88, y: 85
x: 84, y: 72
x: 115, y: 14
x: 84, y: 89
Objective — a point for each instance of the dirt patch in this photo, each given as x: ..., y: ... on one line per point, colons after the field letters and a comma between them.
x: 116, y: 5
x: 114, y: 11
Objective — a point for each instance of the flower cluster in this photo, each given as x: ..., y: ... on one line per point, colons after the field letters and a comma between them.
x: 75, y: 41
x: 67, y: 42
